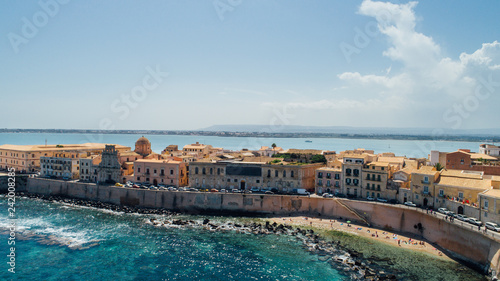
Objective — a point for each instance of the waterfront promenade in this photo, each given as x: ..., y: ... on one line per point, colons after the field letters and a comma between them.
x: 463, y: 242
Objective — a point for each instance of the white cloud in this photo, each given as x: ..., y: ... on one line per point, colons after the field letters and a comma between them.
x: 427, y: 84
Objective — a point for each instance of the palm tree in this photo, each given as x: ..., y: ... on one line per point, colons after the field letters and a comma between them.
x: 273, y: 145
x: 438, y: 166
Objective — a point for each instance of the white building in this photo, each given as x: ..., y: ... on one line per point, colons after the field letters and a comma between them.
x: 489, y: 149
x: 59, y: 167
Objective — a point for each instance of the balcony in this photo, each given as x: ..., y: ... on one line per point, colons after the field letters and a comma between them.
x: 425, y: 181
x: 441, y: 195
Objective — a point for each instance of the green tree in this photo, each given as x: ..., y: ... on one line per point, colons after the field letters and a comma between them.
x: 438, y: 166
x: 273, y: 145
x: 318, y: 159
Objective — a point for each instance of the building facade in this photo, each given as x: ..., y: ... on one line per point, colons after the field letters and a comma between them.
x: 59, y: 167
x: 166, y: 172
x: 109, y: 170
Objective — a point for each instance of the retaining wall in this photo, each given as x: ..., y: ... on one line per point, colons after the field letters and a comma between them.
x: 470, y: 246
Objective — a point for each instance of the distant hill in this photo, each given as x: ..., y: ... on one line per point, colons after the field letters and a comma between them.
x: 348, y: 130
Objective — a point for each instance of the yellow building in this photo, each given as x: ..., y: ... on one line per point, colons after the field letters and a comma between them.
x: 375, y: 177
x: 422, y: 186
x: 26, y: 158
x: 461, y: 186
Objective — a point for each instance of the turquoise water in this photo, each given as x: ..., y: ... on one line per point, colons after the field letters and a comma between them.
x: 92, y: 244
x: 56, y: 241
x: 409, y: 148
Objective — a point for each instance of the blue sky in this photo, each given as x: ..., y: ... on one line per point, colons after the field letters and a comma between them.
x: 193, y: 64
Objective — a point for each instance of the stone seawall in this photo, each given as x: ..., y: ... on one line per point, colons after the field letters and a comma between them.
x: 465, y: 244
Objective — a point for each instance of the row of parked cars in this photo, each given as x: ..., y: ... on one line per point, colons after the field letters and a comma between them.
x: 489, y: 225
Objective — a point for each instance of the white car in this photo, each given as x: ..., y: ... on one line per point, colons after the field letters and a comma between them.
x: 474, y: 221
x: 444, y: 211
x: 411, y: 204
x: 493, y: 226
x: 462, y: 217
x: 369, y: 198
x: 383, y: 200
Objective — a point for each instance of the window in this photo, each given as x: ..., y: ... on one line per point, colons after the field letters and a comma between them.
x: 328, y: 175
x: 196, y: 170
x: 257, y: 181
x: 154, y: 171
x: 337, y: 176
x: 147, y: 171
x: 426, y: 189
x: 328, y: 183
x: 486, y: 204
x: 320, y: 182
x: 320, y: 174
x: 268, y: 173
x: 348, y: 171
x: 291, y: 174
x: 368, y: 194
x: 139, y: 169
x: 139, y: 178
x: 162, y: 172
x: 416, y: 196
x: 367, y: 185
x: 356, y: 172
x: 218, y: 171
x: 378, y: 178
x: 204, y: 171
x: 461, y: 195
x: 211, y: 171
x: 355, y: 181
x: 284, y: 174
x: 228, y: 180
x: 348, y: 181
x: 382, y: 168
x: 276, y: 173
x: 235, y: 180
x: 441, y: 192
x: 172, y: 171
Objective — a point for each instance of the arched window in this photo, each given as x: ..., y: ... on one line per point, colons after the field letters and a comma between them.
x: 196, y: 170
x: 268, y: 173
x: 204, y: 171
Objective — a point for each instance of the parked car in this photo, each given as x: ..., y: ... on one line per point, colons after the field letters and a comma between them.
x: 223, y: 190
x: 383, y: 200
x: 462, y: 217
x: 269, y: 192
x: 339, y: 195
x: 193, y: 189
x: 443, y: 211
x: 213, y: 190
x: 235, y: 191
x: 118, y: 184
x: 411, y: 204
x: 492, y: 226
x: 474, y: 221
x: 369, y: 198
x: 327, y: 195
x: 255, y: 189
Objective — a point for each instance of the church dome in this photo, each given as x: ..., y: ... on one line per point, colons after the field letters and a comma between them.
x: 143, y: 146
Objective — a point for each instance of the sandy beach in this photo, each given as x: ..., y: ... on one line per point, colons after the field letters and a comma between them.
x: 388, y: 237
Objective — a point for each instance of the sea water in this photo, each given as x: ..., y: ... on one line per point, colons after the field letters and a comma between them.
x: 57, y: 241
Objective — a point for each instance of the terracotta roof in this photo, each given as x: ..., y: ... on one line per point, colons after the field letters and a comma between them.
x: 157, y: 161
x: 464, y: 182
x: 461, y: 174
x: 426, y: 170
x: 495, y: 193
x: 65, y: 147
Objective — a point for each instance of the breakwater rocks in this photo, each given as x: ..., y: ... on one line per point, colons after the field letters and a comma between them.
x: 348, y: 261
x: 97, y: 204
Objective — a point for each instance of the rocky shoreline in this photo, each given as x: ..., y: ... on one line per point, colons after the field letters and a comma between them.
x: 350, y: 262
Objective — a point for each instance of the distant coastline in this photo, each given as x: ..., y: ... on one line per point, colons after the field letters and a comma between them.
x: 377, y: 136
